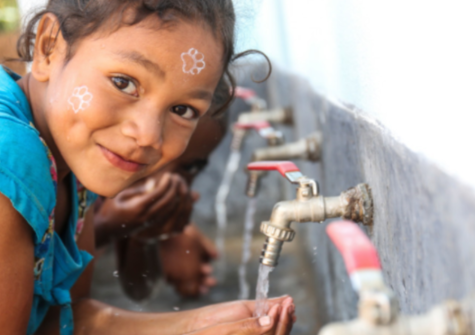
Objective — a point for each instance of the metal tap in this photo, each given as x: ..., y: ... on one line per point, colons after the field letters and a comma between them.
x: 279, y: 115
x: 355, y: 204
x: 308, y: 148
x: 251, y: 98
x: 258, y: 109
x: 378, y: 307
x: 240, y: 129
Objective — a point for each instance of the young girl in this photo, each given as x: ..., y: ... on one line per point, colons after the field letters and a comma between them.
x: 115, y: 91
x: 140, y: 218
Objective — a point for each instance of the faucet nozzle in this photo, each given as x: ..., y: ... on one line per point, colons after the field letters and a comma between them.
x: 253, y: 183
x: 274, y: 242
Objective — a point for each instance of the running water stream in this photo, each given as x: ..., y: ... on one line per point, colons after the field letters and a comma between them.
x: 262, y: 290
x: 246, y: 248
x: 221, y: 213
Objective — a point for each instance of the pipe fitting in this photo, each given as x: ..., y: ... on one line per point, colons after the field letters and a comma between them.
x: 357, y: 204
x: 308, y: 148
x: 280, y: 115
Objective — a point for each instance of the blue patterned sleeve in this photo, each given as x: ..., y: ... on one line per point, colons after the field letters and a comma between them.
x: 25, y: 176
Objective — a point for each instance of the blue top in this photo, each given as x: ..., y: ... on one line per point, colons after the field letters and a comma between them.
x: 28, y: 179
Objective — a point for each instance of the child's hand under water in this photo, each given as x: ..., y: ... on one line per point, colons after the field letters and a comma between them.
x: 237, y: 318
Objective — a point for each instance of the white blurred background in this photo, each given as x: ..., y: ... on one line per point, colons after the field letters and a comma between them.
x: 408, y: 63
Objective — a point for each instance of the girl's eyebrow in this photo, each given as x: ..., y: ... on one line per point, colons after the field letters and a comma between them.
x: 140, y: 59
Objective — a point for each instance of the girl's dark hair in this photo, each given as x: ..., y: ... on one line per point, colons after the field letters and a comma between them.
x: 81, y: 18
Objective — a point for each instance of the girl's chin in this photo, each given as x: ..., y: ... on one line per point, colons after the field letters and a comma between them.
x: 107, y: 187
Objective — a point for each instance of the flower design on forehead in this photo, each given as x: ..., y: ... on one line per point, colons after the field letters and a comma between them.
x: 81, y: 99
x: 193, y: 61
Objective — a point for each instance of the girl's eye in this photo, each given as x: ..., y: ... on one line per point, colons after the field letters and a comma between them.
x: 125, y: 85
x: 185, y: 112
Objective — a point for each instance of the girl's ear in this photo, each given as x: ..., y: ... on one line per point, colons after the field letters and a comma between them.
x: 50, y: 47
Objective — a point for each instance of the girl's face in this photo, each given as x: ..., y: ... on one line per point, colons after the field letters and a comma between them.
x: 127, y: 103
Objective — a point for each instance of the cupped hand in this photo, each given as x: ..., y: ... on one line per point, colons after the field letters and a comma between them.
x: 185, y: 261
x: 236, y: 318
x: 177, y: 219
x: 159, y: 196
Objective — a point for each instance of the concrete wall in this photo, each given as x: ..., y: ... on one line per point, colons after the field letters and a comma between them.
x: 424, y: 219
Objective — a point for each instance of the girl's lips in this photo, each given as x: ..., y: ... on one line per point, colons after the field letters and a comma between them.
x: 120, y: 162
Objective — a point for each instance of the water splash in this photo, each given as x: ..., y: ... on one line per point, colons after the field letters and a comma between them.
x: 221, y: 213
x: 262, y: 289
x: 246, y: 248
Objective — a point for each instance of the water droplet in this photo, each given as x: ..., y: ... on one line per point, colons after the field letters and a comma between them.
x: 144, y: 275
x: 176, y: 308
x: 116, y: 274
x: 314, y: 248
x: 188, y: 251
x: 123, y: 226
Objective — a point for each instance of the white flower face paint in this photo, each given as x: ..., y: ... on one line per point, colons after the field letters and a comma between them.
x: 81, y: 99
x: 193, y: 61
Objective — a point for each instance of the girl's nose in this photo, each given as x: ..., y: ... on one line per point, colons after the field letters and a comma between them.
x: 146, y: 130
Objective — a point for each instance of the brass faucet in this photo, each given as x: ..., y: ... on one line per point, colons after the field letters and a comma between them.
x: 308, y: 148
x: 378, y: 307
x: 259, y: 110
x: 251, y: 98
x: 278, y: 115
x: 355, y: 204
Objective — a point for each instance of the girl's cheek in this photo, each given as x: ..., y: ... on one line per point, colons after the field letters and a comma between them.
x: 175, y: 142
x: 80, y: 99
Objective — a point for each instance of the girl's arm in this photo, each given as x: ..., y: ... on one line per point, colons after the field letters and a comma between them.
x: 16, y: 270
x: 95, y: 318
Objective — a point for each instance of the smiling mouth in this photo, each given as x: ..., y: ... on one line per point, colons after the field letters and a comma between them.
x: 120, y: 162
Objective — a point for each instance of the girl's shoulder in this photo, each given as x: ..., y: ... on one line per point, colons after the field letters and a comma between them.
x: 25, y: 176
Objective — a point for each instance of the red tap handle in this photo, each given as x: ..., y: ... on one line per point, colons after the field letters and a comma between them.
x: 257, y: 125
x: 244, y: 93
x: 357, y: 250
x: 286, y: 168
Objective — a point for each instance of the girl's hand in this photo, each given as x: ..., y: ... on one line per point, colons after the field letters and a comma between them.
x: 157, y: 197
x: 176, y: 220
x: 236, y: 312
x: 185, y: 260
x: 279, y: 320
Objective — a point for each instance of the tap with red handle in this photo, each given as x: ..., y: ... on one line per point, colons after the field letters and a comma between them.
x: 355, y: 204
x: 378, y: 308
x: 308, y: 148
x: 263, y: 128
x: 250, y: 97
